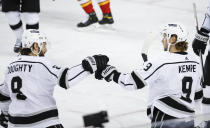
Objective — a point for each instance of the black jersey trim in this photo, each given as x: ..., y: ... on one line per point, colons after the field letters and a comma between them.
x: 76, y: 75
x: 75, y: 66
x: 125, y: 84
x: 16, y: 26
x: 181, y: 53
x: 175, y: 104
x: 206, y: 101
x: 139, y: 83
x: 4, y: 98
x: 168, y: 64
x: 33, y: 119
x: 32, y: 26
x: 62, y: 81
x: 37, y: 63
x: 198, y: 95
x: 56, y: 126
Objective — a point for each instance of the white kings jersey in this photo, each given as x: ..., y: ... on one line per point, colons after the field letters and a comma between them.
x: 173, y: 80
x: 28, y: 87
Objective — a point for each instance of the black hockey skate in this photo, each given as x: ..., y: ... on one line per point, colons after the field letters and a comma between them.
x: 91, y: 20
x: 18, y: 46
x: 107, y: 19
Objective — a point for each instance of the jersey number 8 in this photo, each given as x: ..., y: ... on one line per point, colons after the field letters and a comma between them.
x: 16, y: 85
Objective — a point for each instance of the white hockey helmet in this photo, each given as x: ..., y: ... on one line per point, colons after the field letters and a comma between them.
x: 175, y: 29
x: 32, y: 36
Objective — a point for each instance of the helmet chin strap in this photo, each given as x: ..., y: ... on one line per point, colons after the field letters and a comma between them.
x: 169, y: 45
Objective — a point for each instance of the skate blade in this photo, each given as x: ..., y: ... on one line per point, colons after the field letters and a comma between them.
x: 88, y: 28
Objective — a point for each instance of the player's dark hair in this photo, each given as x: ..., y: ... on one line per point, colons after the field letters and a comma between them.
x: 25, y: 51
x: 182, y: 46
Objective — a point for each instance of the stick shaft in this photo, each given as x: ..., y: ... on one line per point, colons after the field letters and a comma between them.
x: 200, y: 54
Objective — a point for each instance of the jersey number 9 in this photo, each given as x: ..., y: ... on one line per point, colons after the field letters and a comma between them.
x: 186, y: 88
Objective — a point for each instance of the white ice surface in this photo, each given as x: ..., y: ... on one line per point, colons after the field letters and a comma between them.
x: 133, y: 20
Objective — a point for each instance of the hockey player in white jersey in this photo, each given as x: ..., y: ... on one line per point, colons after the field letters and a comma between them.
x: 26, y: 95
x: 13, y: 10
x: 199, y: 44
x: 173, y: 79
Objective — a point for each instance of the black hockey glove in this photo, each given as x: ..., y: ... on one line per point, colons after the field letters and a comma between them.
x: 101, y: 61
x: 110, y: 74
x: 4, y: 120
x: 200, y: 41
x: 95, y: 63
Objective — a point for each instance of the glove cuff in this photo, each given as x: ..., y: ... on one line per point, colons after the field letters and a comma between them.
x: 89, y: 64
x: 201, y: 37
x: 110, y: 73
x: 116, y: 76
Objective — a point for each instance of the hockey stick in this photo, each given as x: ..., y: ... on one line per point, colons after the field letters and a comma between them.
x: 195, y: 16
x: 197, y: 28
x: 147, y: 43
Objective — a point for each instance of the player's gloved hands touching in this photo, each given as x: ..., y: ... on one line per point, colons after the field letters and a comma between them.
x: 200, y: 41
x: 102, y: 61
x: 4, y: 120
x: 110, y: 73
x: 95, y: 63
